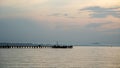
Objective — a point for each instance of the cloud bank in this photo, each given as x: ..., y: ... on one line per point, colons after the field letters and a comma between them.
x: 99, y: 12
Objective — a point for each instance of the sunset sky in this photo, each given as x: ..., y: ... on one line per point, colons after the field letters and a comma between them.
x: 82, y: 21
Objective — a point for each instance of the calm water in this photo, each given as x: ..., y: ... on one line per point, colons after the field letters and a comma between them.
x: 78, y: 57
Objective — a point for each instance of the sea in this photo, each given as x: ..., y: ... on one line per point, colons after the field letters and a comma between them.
x: 77, y: 57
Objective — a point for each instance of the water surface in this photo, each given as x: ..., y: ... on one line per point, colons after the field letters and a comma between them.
x: 78, y: 57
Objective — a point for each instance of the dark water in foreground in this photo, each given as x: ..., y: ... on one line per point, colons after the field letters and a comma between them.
x: 78, y: 57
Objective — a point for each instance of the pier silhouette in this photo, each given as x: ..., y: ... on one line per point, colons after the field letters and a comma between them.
x: 29, y: 45
x: 39, y: 46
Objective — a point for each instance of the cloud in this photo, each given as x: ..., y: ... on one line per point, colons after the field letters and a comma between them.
x: 23, y: 28
x: 100, y: 12
x: 55, y: 14
x: 59, y: 14
x: 96, y: 25
x: 65, y: 14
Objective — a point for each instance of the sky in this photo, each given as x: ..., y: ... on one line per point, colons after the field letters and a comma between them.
x: 71, y: 21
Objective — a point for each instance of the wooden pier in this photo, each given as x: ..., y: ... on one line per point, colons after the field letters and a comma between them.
x: 38, y: 46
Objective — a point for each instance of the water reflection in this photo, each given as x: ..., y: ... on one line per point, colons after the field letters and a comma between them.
x: 78, y: 57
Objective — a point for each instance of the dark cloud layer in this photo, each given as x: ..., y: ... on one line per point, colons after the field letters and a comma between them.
x: 22, y: 30
x: 100, y: 12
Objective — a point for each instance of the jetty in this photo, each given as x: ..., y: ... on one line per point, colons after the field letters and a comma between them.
x: 30, y: 45
x: 39, y: 46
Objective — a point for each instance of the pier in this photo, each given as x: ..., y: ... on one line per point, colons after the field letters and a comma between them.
x: 31, y: 45
x: 54, y: 46
x: 38, y: 46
